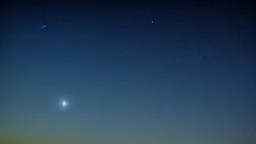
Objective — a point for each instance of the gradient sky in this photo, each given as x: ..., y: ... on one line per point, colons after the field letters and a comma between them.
x: 134, y: 72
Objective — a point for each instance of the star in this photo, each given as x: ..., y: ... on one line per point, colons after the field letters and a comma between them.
x: 64, y: 104
x: 43, y: 26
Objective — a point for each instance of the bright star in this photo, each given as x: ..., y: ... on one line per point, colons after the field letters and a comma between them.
x: 64, y: 104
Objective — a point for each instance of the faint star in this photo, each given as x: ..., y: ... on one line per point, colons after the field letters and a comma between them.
x: 43, y: 26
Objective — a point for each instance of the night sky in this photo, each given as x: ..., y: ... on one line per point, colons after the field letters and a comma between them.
x: 128, y: 72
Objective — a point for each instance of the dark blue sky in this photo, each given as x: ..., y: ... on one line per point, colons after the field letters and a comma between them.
x: 132, y: 72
